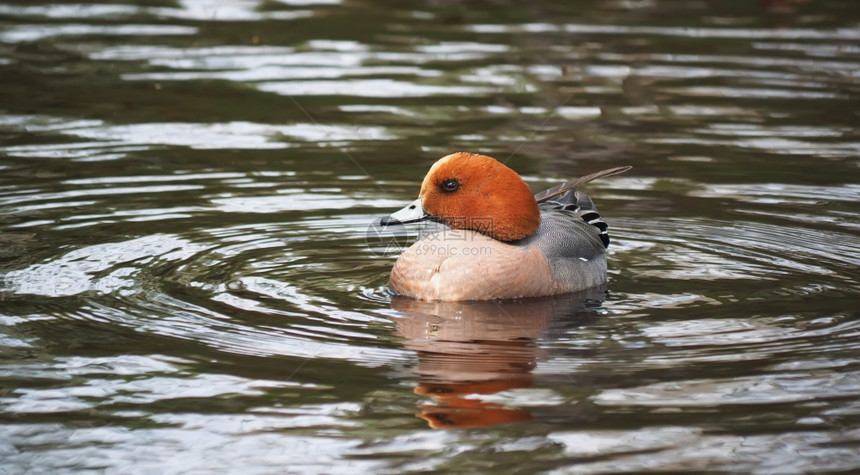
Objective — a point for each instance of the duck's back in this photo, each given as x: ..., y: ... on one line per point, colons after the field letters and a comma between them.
x: 574, y: 239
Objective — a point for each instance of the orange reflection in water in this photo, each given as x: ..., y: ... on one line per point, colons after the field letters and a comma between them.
x: 470, y: 350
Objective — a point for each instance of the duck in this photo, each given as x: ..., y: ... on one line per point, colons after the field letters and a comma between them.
x: 497, y: 240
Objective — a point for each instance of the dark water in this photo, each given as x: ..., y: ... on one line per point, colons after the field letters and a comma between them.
x: 187, y: 284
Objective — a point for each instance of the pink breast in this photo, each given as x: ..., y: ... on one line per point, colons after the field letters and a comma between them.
x: 466, y: 265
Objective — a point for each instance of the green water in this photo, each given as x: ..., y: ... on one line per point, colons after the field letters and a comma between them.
x: 188, y: 285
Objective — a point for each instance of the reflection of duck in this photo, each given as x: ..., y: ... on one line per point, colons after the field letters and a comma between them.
x: 469, y: 349
x: 503, y: 242
x: 780, y: 5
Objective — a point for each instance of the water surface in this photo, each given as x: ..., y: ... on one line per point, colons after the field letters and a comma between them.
x: 188, y: 282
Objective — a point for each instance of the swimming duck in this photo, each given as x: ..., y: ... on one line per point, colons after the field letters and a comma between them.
x: 499, y: 240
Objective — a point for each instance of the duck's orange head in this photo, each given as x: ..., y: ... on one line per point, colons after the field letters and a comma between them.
x: 471, y: 191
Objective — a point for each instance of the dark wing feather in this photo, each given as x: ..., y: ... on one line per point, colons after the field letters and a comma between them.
x: 561, y: 189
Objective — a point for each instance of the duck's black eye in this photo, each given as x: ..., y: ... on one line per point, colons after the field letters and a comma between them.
x: 450, y: 185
